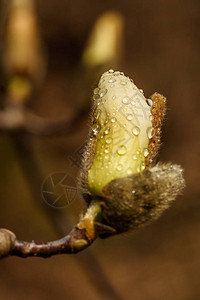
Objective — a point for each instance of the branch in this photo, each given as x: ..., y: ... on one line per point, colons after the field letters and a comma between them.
x: 82, y: 236
x: 18, y: 118
x: 74, y: 242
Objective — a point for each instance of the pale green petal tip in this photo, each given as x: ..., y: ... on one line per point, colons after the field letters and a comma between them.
x: 122, y: 129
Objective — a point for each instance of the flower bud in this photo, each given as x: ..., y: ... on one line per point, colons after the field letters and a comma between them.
x: 117, y: 164
x: 122, y: 129
x: 23, y: 50
x: 105, y: 42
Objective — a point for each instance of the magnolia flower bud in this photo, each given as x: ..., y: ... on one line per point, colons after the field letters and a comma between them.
x: 105, y: 42
x: 123, y: 142
x: 23, y: 50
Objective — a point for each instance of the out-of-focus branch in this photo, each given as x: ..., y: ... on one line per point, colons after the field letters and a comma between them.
x: 16, y: 117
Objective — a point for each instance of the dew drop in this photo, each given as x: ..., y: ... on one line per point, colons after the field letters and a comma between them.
x: 96, y: 128
x: 96, y: 91
x: 130, y: 117
x: 150, y: 132
x: 126, y: 100
x: 108, y: 140
x: 107, y: 150
x: 149, y: 102
x: 142, y: 167
x: 113, y: 120
x: 96, y: 97
x: 102, y: 92
x: 117, y: 73
x: 123, y: 82
x: 98, y: 114
x: 113, y: 97
x: 133, y: 102
x: 121, y: 150
x: 136, y: 130
x: 111, y: 80
x: 141, y: 91
x: 122, y: 73
x: 119, y: 167
x: 99, y: 101
x: 134, y: 157
x: 138, y: 169
x: 145, y: 152
x: 111, y: 71
x: 107, y: 130
x: 106, y: 156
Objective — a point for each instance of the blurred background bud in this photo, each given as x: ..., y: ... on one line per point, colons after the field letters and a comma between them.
x: 23, y: 52
x: 105, y: 42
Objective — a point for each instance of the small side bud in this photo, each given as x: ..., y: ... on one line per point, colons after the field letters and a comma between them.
x: 6, y: 239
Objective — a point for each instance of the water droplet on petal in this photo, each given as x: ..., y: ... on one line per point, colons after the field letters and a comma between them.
x: 133, y: 102
x: 96, y: 128
x: 130, y: 117
x: 108, y: 140
x: 136, y: 130
x: 145, y: 152
x: 98, y: 114
x: 113, y: 97
x: 138, y: 169
x: 117, y: 73
x: 111, y: 80
x: 96, y: 97
x: 113, y: 120
x: 111, y: 71
x: 107, y: 150
x: 96, y: 91
x: 141, y: 91
x: 149, y: 102
x: 150, y: 132
x: 123, y: 82
x: 151, y: 118
x: 119, y: 167
x: 121, y: 150
x: 142, y: 166
x: 134, y: 157
x: 107, y: 130
x: 126, y: 100
x: 102, y: 92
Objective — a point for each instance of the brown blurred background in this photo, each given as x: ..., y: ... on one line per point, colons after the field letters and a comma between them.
x: 162, y: 261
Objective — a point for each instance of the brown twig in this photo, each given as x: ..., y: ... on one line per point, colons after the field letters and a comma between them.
x: 83, y: 234
x: 74, y: 242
